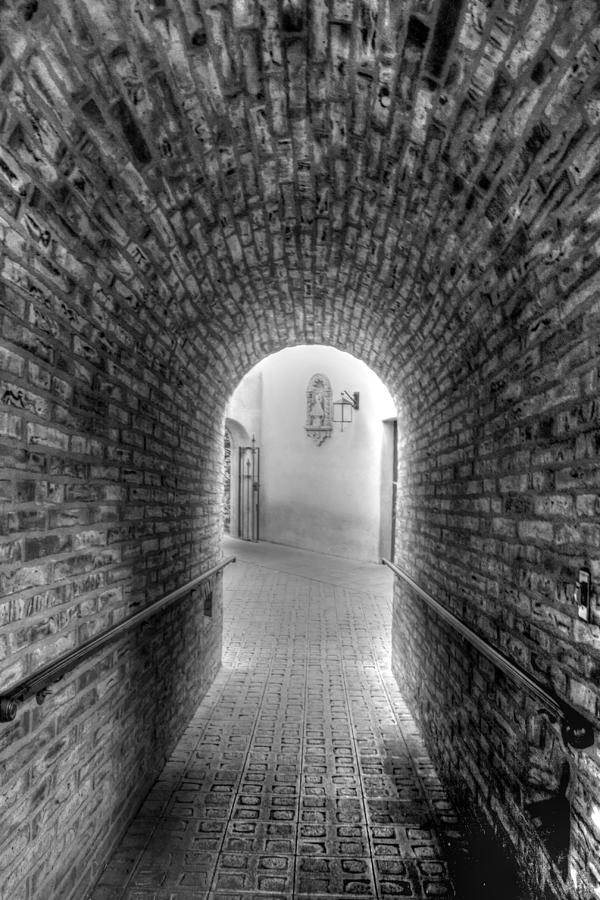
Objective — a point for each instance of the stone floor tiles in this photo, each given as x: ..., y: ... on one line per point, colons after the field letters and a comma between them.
x: 302, y: 773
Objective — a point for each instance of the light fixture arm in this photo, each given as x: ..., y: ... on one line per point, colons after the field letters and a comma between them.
x: 352, y: 399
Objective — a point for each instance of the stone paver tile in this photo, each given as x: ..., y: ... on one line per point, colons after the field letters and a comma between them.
x: 261, y: 872
x: 333, y: 840
x: 261, y: 837
x: 348, y: 876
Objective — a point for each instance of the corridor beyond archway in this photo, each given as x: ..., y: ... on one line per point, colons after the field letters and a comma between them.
x: 302, y: 772
x: 321, y: 484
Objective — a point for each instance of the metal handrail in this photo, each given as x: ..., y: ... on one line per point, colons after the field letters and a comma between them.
x: 38, y: 683
x: 576, y: 729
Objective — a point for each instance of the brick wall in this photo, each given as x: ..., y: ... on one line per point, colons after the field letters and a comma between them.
x: 109, y: 501
x: 185, y: 188
x: 498, y: 510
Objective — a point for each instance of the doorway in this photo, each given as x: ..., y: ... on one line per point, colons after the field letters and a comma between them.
x: 249, y: 492
x: 389, y: 488
x: 241, y: 461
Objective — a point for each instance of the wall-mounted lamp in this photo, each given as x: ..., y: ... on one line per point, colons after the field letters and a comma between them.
x: 342, y: 409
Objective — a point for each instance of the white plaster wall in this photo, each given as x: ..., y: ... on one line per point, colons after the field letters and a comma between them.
x: 246, y: 403
x: 323, y: 498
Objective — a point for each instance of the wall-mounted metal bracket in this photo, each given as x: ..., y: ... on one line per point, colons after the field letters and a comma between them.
x: 583, y: 595
x: 41, y: 695
x: 353, y: 399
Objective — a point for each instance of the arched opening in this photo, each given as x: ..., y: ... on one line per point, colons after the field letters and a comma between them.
x: 236, y: 440
x: 321, y: 418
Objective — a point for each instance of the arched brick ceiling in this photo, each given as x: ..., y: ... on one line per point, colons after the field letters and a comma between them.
x: 215, y: 180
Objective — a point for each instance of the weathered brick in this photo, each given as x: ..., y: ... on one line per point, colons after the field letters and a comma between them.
x: 156, y: 247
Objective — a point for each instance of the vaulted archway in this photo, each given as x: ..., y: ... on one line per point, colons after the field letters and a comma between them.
x: 187, y: 187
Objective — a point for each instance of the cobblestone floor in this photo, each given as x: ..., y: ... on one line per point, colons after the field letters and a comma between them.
x: 302, y: 773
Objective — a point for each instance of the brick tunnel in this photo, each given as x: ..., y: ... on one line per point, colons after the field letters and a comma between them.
x: 188, y: 186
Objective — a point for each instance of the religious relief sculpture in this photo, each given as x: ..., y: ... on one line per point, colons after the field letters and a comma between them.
x: 319, y: 409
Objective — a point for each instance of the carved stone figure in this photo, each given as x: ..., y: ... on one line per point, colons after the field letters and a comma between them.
x: 319, y: 409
